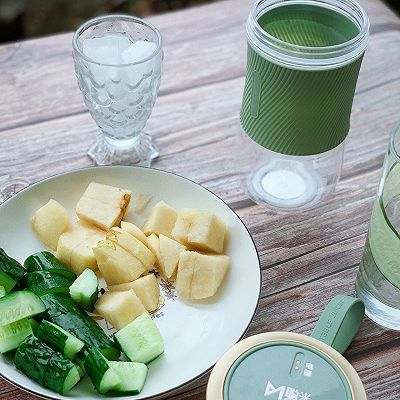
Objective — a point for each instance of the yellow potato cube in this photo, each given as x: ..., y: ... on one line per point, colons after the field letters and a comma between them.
x: 146, y: 288
x: 200, y: 229
x: 135, y: 231
x: 170, y: 251
x: 50, y: 222
x: 103, y: 205
x: 161, y: 220
x: 133, y: 246
x: 119, y: 308
x: 116, y: 264
x: 75, y: 246
x: 200, y: 275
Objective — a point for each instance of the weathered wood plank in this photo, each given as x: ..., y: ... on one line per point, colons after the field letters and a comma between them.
x: 6, y: 387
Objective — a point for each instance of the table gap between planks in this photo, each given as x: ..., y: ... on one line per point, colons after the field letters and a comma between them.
x: 307, y: 258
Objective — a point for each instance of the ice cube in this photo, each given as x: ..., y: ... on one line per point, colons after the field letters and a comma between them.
x: 138, y: 51
x: 106, y: 49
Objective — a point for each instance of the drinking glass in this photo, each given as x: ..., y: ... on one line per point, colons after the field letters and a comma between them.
x: 378, y: 279
x: 119, y: 95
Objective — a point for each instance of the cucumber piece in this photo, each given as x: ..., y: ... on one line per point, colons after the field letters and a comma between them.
x: 62, y: 311
x: 7, y: 282
x: 11, y: 267
x: 12, y: 335
x: 19, y: 305
x: 42, y: 282
x: 59, y: 339
x: 2, y: 291
x: 79, y: 360
x: 46, y: 261
x: 141, y: 340
x: 61, y: 374
x: 45, y: 366
x: 100, y: 372
x: 132, y: 375
x: 85, y: 290
x: 32, y: 357
x: 34, y: 325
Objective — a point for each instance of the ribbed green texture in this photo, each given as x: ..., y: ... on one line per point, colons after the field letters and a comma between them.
x: 297, y: 112
x: 308, y: 25
x: 300, y: 111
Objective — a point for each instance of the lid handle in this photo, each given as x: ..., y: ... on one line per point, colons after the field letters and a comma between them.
x: 340, y: 322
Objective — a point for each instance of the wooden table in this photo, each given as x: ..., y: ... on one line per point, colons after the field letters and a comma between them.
x: 306, y: 259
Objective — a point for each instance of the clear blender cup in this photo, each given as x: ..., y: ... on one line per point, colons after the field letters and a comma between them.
x: 303, y: 63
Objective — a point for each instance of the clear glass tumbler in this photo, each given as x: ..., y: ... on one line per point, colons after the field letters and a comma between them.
x: 119, y: 77
x: 378, y: 279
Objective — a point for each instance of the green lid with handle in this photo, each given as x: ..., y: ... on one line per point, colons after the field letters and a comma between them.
x: 290, y: 366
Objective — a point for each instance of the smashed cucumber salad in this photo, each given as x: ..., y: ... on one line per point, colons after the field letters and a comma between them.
x: 55, y: 342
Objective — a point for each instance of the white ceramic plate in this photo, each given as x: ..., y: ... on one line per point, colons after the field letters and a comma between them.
x: 196, y: 334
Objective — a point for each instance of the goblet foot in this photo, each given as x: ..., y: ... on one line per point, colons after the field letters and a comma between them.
x: 138, y: 151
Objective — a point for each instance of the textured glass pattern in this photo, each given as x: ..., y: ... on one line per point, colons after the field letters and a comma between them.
x: 120, y: 98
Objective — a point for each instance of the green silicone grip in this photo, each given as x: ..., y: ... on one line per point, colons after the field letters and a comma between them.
x: 297, y: 112
x: 340, y: 322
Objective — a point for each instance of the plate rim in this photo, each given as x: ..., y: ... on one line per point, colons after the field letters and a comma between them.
x: 177, y: 388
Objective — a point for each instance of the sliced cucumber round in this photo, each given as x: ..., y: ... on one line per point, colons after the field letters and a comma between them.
x: 85, y: 290
x: 62, y: 311
x: 59, y: 339
x: 132, y: 375
x: 12, y: 335
x: 100, y: 372
x: 19, y: 305
x: 61, y: 374
x: 141, y: 340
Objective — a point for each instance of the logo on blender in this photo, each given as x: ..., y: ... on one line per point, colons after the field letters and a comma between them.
x: 285, y: 393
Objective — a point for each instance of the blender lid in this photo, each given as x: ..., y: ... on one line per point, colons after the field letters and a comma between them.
x: 292, y: 366
x: 285, y: 370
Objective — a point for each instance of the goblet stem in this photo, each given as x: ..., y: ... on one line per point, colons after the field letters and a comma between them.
x: 137, y: 151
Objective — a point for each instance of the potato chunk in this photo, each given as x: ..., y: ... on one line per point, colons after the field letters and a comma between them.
x: 153, y: 243
x: 200, y: 229
x: 199, y: 275
x: 103, y: 205
x: 170, y: 251
x: 133, y: 246
x: 116, y: 264
x: 119, y: 308
x: 161, y: 220
x: 133, y: 230
x: 146, y: 288
x: 75, y: 246
x: 50, y: 222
